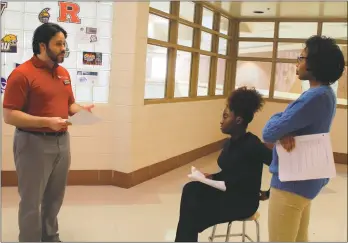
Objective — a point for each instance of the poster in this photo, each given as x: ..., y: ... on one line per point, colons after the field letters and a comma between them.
x: 87, y: 78
x: 3, y: 85
x: 87, y: 35
x: 92, y: 58
x: 69, y: 12
x: 9, y: 43
x: 44, y: 15
x: 3, y: 6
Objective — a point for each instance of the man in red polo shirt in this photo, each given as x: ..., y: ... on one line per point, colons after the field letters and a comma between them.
x: 37, y: 101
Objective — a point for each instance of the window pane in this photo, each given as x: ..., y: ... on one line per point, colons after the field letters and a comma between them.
x: 158, y: 28
x: 342, y: 89
x: 163, y: 6
x: 203, y: 75
x: 185, y: 35
x: 344, y: 49
x: 182, y: 74
x: 335, y: 30
x: 287, y: 85
x: 256, y: 29
x: 254, y: 74
x: 207, y: 18
x: 156, y: 72
x: 220, y: 76
x: 255, y: 49
x: 205, y: 41
x: 187, y: 11
x: 297, y: 30
x: 224, y: 25
x: 289, y: 50
x: 222, y: 46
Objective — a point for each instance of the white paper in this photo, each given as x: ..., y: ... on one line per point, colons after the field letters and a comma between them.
x: 312, y: 158
x: 199, y: 176
x: 83, y: 117
x: 87, y: 35
x: 86, y: 77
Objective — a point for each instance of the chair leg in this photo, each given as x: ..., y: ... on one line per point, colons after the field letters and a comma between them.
x: 228, y: 232
x: 211, y: 238
x: 257, y: 230
x: 243, y: 232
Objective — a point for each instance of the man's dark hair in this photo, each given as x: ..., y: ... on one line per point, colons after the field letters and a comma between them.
x: 325, y: 59
x: 44, y: 33
x: 245, y: 103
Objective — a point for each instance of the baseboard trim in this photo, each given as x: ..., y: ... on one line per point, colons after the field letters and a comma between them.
x: 125, y: 180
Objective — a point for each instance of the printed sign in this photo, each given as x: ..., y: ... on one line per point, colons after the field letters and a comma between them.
x: 44, y: 15
x: 87, y: 78
x: 67, y: 50
x: 68, y: 12
x: 9, y: 43
x: 87, y: 35
x: 3, y: 6
x: 3, y: 85
x: 92, y: 58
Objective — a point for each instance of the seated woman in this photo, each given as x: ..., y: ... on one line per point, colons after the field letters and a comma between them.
x: 241, y: 162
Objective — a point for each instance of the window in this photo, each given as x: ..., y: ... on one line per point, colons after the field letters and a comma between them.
x: 194, y: 63
x: 162, y: 6
x: 297, y: 30
x: 156, y: 72
x: 256, y: 29
x: 254, y: 74
x: 21, y: 19
x: 255, y: 49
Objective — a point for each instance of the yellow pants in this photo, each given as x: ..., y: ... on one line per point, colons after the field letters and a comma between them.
x: 288, y: 217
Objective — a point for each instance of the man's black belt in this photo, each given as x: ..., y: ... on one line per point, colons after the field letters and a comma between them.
x: 56, y: 134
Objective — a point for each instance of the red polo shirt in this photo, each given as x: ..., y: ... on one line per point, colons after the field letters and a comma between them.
x: 38, y: 90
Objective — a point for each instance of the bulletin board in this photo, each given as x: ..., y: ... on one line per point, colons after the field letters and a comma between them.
x: 89, y: 42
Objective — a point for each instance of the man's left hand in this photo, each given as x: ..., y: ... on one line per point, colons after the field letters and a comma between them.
x: 88, y: 108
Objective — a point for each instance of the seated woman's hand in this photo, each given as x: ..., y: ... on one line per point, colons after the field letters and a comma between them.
x: 208, y: 176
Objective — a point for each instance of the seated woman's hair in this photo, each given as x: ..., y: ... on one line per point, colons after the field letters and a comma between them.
x: 245, y: 102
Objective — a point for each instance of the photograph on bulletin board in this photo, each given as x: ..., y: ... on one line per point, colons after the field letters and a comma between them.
x: 92, y: 58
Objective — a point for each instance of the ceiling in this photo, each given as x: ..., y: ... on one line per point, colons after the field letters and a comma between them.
x: 282, y: 9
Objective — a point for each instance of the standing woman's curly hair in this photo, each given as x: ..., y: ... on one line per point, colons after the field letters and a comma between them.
x: 325, y: 59
x: 245, y: 102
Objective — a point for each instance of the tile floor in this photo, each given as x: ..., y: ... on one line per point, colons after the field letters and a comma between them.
x: 149, y: 212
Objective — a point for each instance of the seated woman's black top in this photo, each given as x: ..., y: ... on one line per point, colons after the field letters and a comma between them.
x: 241, y: 162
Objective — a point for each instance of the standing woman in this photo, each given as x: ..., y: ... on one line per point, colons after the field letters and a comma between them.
x: 322, y: 63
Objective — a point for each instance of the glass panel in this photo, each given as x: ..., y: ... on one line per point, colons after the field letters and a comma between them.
x: 335, y: 30
x: 222, y: 46
x: 344, y: 49
x: 289, y: 50
x: 158, y: 28
x: 254, y: 74
x: 206, y: 41
x: 255, y: 49
x: 224, y: 24
x: 256, y: 29
x: 182, y: 74
x: 163, y: 6
x: 220, y: 76
x: 187, y: 11
x: 288, y: 86
x: 297, y: 29
x: 185, y: 35
x: 207, y: 18
x: 156, y: 72
x: 203, y: 75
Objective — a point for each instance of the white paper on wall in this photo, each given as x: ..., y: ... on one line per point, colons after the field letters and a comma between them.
x: 86, y: 77
x: 87, y: 35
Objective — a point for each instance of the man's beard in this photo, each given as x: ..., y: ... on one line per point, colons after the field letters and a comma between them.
x: 53, y: 57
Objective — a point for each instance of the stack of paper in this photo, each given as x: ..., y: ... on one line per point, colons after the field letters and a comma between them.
x: 199, y: 176
x: 312, y: 158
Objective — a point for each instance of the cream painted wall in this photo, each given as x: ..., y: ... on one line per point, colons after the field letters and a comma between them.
x: 134, y: 135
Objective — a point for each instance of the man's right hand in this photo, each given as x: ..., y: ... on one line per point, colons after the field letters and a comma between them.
x: 56, y: 123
